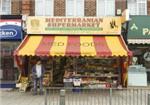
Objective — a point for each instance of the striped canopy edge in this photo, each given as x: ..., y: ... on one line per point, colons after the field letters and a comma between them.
x: 72, y: 45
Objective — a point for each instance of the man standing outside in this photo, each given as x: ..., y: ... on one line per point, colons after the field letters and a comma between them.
x: 38, y: 72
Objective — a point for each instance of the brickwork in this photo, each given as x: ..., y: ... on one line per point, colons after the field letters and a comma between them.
x: 32, y: 9
x: 59, y: 7
x: 27, y: 7
x: 120, y: 4
x: 90, y: 7
x: 15, y: 7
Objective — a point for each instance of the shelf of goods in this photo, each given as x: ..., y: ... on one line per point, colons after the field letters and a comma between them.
x: 48, y: 78
x: 96, y: 73
x: 96, y: 78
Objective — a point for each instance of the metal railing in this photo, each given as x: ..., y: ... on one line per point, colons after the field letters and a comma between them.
x: 86, y: 96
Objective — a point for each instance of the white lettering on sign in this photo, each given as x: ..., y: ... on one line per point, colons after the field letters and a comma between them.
x: 134, y: 27
x: 146, y: 31
x: 8, y: 33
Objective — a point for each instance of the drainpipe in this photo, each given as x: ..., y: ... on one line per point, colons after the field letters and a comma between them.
x: 127, y: 26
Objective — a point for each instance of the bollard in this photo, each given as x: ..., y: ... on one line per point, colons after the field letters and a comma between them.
x: 45, y: 96
x: 110, y: 96
x: 62, y: 97
x: 148, y: 100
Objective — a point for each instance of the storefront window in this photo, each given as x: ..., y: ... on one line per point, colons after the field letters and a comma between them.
x: 74, y: 7
x: 137, y: 7
x: 5, y: 7
x: 105, y: 7
x: 44, y: 7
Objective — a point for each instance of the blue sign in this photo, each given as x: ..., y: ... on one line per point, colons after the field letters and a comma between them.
x: 10, y: 30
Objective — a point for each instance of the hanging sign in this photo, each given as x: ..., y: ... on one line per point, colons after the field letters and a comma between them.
x: 139, y: 27
x: 70, y: 26
x: 10, y: 29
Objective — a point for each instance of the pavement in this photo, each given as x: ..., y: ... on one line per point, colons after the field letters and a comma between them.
x: 14, y: 97
x: 86, y: 97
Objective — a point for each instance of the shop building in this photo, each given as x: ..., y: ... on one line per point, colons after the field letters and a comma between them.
x: 76, y: 51
x: 139, y: 41
x: 11, y: 35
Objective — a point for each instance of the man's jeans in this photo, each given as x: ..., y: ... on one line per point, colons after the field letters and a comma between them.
x: 36, y: 80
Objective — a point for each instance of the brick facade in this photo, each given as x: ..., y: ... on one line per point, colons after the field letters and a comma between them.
x: 32, y: 8
x: 90, y: 8
x: 120, y: 4
x: 59, y: 7
x: 28, y: 7
x: 16, y: 7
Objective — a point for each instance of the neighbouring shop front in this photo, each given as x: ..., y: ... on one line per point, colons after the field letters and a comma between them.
x: 139, y: 44
x: 10, y: 37
x: 85, y: 52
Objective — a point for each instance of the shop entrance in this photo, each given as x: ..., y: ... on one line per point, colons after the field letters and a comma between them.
x: 58, y: 70
x: 54, y: 69
x: 90, y: 71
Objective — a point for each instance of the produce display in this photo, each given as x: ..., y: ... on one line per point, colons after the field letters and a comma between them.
x: 95, y: 72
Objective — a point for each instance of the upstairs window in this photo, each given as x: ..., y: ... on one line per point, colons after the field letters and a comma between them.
x: 105, y: 8
x: 75, y: 8
x: 5, y: 7
x: 44, y: 7
x: 137, y: 7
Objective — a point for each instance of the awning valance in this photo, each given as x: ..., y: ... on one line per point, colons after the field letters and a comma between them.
x: 139, y: 41
x: 72, y: 46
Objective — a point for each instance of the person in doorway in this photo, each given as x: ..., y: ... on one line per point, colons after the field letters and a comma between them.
x: 38, y: 72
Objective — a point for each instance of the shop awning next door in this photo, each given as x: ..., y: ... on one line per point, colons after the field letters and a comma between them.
x: 72, y: 46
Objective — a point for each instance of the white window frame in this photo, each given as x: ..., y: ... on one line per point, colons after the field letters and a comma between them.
x: 97, y: 10
x: 43, y: 8
x: 142, y: 1
x: 135, y: 7
x: 75, y: 8
x: 137, y: 2
x: 5, y: 12
x: 105, y: 9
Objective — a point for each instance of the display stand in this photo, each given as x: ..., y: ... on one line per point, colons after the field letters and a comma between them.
x: 23, y: 84
x: 95, y: 72
x: 48, y: 78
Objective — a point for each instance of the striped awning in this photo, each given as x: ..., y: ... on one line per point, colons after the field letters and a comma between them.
x: 72, y: 46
